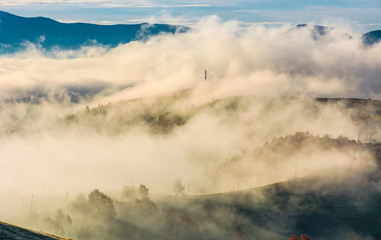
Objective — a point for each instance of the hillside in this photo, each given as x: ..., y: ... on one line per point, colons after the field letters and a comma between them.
x: 12, y: 232
x: 16, y: 31
x: 335, y: 203
x: 338, y: 204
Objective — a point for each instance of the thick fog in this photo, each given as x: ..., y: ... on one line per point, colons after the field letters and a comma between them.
x: 280, y: 70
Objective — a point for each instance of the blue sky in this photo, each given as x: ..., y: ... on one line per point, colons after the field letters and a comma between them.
x: 360, y: 14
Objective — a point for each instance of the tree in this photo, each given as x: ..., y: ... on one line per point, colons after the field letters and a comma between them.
x: 129, y: 193
x: 178, y: 187
x: 143, y: 201
x: 102, y: 203
x: 143, y: 191
x: 59, y: 221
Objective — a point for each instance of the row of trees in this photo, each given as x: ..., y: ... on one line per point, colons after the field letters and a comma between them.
x: 139, y: 198
x: 133, y: 193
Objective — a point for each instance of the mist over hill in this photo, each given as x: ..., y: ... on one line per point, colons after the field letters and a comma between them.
x: 341, y: 199
x: 321, y: 32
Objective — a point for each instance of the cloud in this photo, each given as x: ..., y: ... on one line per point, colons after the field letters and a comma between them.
x: 192, y: 5
x: 105, y: 3
x: 248, y: 10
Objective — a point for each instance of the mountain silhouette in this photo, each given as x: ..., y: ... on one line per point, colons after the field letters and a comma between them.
x: 16, y: 32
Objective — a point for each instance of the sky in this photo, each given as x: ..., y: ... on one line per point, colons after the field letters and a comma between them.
x: 361, y: 15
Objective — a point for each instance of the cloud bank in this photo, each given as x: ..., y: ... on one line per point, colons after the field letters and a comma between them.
x: 166, y: 75
x: 236, y: 59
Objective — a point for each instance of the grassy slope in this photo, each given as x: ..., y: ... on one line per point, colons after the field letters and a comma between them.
x: 12, y: 232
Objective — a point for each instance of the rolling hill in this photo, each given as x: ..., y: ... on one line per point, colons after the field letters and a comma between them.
x: 339, y: 203
x: 298, y: 206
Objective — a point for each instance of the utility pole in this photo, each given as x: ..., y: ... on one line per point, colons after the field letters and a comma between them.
x: 131, y: 182
x: 31, y: 205
x: 370, y: 139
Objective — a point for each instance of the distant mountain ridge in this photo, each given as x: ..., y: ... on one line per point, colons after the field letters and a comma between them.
x: 15, y: 31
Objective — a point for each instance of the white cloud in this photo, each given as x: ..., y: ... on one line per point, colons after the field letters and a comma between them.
x: 248, y: 10
x: 245, y: 56
x: 192, y: 5
x: 105, y: 3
